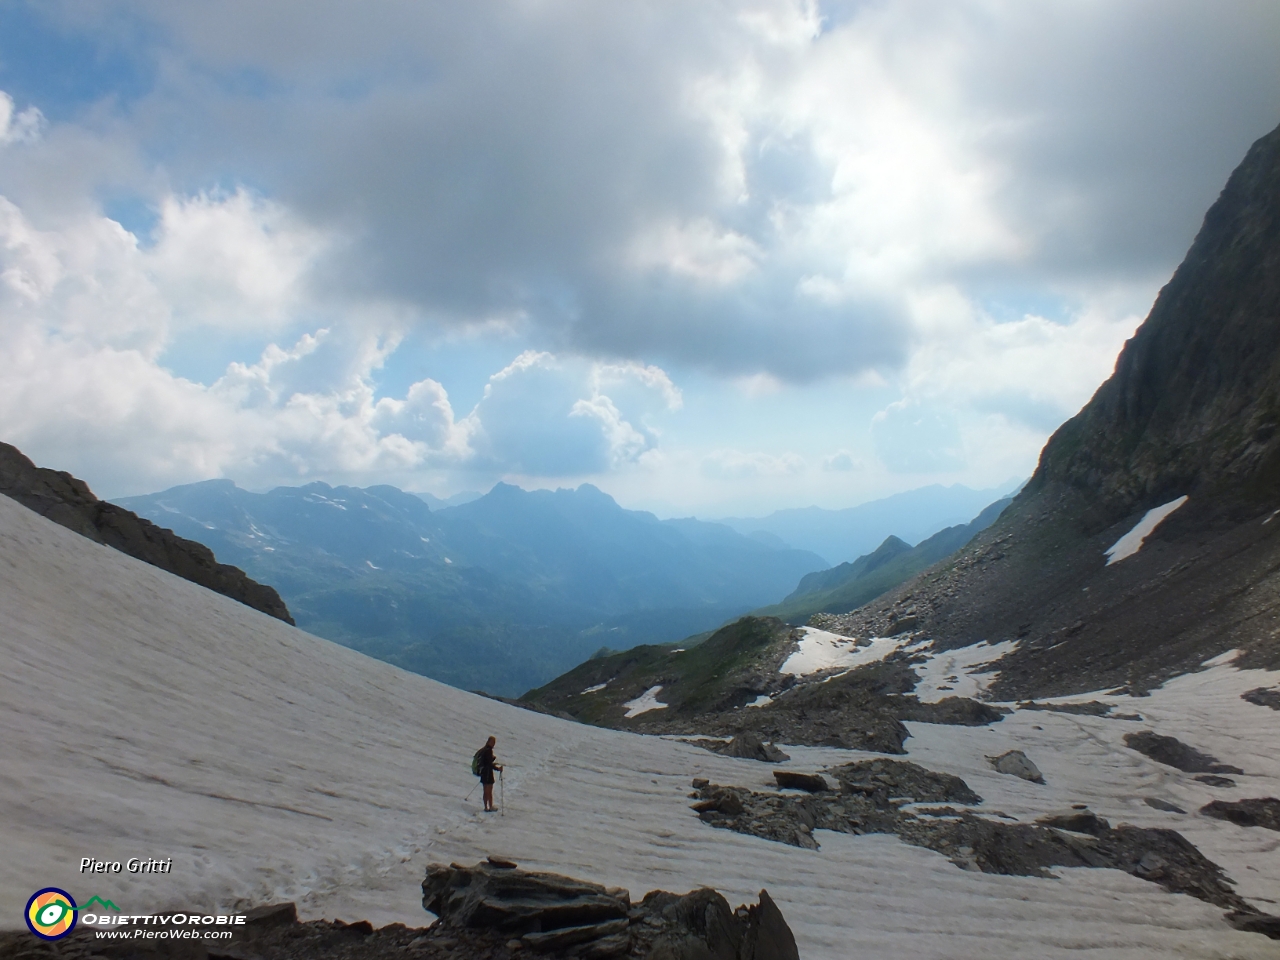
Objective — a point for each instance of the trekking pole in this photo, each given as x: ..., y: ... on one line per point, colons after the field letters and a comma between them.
x: 502, y: 795
x: 473, y: 790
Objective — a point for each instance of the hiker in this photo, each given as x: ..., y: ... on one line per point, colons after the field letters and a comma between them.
x: 484, y: 765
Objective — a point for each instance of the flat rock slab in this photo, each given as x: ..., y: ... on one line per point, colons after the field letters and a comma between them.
x: 745, y: 746
x: 1256, y: 812
x: 556, y: 916
x: 1172, y: 752
x: 884, y: 780
x: 1263, y: 697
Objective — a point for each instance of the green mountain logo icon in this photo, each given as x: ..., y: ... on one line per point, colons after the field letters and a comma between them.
x: 106, y: 904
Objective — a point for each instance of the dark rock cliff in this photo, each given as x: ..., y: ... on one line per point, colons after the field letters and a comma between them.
x: 1194, y: 403
x: 1192, y: 409
x: 63, y: 499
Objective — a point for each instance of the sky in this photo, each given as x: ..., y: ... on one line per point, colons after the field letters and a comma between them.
x: 714, y: 258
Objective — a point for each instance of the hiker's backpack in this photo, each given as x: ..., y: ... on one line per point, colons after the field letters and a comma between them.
x: 475, y: 764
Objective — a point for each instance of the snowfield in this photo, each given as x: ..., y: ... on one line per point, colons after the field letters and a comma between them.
x: 645, y: 702
x: 147, y: 717
x: 963, y: 672
x: 1132, y: 541
x: 820, y: 650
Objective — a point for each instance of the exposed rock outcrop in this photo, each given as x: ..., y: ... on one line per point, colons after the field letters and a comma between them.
x: 745, y: 746
x: 1263, y: 697
x: 558, y: 916
x: 60, y: 497
x: 873, y: 803
x: 1253, y: 812
x: 1172, y: 752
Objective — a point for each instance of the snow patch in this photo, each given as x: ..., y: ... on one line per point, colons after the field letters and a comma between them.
x: 1132, y: 541
x: 596, y: 689
x: 959, y: 673
x: 372, y: 566
x: 820, y: 650
x: 761, y: 701
x: 645, y: 702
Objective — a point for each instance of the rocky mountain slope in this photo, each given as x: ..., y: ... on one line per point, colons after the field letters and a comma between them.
x: 762, y: 677
x: 1191, y: 411
x: 500, y: 593
x: 64, y: 499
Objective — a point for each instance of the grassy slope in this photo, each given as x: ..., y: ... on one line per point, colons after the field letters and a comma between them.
x: 693, y: 679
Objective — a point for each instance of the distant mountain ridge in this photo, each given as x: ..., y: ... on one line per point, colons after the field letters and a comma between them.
x: 850, y: 585
x: 500, y: 593
x: 841, y: 536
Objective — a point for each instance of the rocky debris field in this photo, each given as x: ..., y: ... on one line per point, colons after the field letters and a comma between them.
x: 898, y: 797
x: 862, y: 709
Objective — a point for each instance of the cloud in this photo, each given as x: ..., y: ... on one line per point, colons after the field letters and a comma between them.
x: 963, y: 207
x: 737, y: 465
x: 912, y: 438
x: 745, y: 189
x: 234, y: 261
x: 18, y: 126
x: 842, y: 461
x: 545, y: 416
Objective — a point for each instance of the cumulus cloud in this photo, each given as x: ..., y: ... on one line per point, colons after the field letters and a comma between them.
x: 18, y: 126
x: 545, y: 416
x: 842, y: 461
x: 234, y: 261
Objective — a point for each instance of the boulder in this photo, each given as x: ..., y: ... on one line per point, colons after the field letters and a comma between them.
x: 790, y: 780
x: 768, y: 936
x: 1263, y: 697
x: 748, y: 746
x: 1254, y: 812
x: 1015, y: 763
x: 517, y: 901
